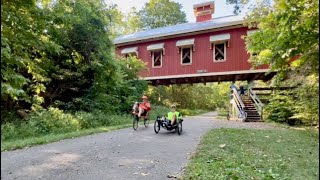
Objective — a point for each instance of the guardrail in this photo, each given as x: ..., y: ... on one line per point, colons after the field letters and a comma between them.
x: 259, y: 105
x: 238, y: 106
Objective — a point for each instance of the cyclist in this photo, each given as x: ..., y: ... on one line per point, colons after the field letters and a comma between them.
x: 144, y: 108
x: 173, y: 115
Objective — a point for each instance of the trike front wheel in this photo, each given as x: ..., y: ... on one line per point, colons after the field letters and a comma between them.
x: 135, y: 122
x: 156, y: 126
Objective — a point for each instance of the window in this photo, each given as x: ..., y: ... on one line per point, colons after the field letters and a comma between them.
x: 186, y: 55
x: 130, y: 54
x: 156, y: 59
x: 157, y: 51
x: 185, y: 48
x: 127, y: 51
x: 219, y: 52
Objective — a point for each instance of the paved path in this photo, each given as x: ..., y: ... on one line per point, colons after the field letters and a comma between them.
x: 120, y: 155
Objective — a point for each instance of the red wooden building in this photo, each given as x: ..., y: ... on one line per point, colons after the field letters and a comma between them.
x: 208, y: 50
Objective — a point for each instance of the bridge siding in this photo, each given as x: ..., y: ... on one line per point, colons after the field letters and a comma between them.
x: 202, y: 57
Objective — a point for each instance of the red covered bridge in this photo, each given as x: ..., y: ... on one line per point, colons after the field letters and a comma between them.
x: 208, y: 50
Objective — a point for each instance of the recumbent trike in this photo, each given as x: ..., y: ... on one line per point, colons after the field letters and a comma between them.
x: 165, y: 124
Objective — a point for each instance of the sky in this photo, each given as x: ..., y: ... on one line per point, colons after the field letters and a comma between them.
x: 221, y: 8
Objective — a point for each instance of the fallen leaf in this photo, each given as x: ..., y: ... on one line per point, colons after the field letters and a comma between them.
x: 222, y: 145
x: 171, y: 176
x: 144, y: 174
x: 267, y: 136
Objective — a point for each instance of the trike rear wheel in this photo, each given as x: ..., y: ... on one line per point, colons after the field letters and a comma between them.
x: 146, y: 122
x: 179, y: 128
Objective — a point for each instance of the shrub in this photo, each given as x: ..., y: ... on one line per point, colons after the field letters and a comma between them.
x: 280, y: 109
x: 53, y: 120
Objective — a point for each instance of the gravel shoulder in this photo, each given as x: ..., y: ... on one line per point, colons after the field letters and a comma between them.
x: 122, y: 154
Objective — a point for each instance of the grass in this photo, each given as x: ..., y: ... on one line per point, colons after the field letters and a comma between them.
x: 256, y: 154
x: 17, y: 136
x: 222, y: 114
x: 191, y: 112
x: 31, y: 141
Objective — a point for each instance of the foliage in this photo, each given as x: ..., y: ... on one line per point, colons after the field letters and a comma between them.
x: 23, y: 40
x: 53, y: 124
x: 288, y: 41
x: 208, y: 97
x: 238, y: 5
x: 64, y: 58
x: 161, y: 13
x: 280, y: 109
x: 255, y: 154
x: 12, y: 144
x: 287, y: 30
x: 307, y: 105
x: 133, y: 21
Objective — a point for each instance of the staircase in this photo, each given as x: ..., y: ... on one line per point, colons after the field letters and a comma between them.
x: 250, y: 109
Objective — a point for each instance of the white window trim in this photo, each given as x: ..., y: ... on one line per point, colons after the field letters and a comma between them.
x: 160, y: 59
x: 185, y: 42
x: 220, y: 37
x: 181, y: 60
x: 225, y: 52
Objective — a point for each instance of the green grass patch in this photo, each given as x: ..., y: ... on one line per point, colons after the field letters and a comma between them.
x: 31, y: 141
x: 192, y: 112
x: 53, y: 125
x: 222, y: 114
x: 256, y: 154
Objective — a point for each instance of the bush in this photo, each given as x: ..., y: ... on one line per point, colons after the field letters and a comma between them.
x: 8, y: 130
x: 53, y: 120
x: 280, y: 109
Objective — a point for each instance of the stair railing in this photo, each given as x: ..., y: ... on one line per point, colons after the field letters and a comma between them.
x: 238, y: 105
x: 259, y: 105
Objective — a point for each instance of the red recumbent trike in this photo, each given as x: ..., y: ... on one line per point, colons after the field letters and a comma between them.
x: 135, y: 117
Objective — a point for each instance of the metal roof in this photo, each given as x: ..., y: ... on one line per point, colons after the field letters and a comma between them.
x: 180, y: 29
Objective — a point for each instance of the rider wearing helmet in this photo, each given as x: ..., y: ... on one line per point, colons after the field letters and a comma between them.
x: 173, y: 115
x: 144, y: 107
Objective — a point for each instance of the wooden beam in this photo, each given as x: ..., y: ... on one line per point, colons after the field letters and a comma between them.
x: 173, y: 81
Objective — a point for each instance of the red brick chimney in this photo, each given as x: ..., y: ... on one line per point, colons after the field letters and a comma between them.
x: 203, y: 11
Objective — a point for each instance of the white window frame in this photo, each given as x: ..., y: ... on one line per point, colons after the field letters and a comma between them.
x: 160, y: 51
x: 181, y: 60
x: 225, y: 51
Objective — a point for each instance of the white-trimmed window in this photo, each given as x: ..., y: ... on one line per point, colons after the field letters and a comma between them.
x: 219, y: 44
x: 186, y: 55
x: 157, y: 51
x: 185, y: 48
x: 157, y: 59
x: 219, y: 52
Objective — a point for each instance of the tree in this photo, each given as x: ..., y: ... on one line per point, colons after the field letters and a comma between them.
x: 288, y: 41
x: 133, y: 21
x: 23, y: 41
x: 238, y: 5
x: 161, y: 13
x: 287, y: 30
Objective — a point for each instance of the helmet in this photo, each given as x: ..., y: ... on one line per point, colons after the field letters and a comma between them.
x: 144, y: 97
x: 173, y: 106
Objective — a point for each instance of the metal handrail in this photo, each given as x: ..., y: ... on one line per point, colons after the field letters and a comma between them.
x: 256, y: 101
x: 236, y: 100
